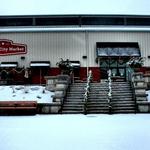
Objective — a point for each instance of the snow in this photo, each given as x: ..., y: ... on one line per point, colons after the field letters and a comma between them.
x: 8, y: 65
x: 25, y: 93
x: 75, y: 64
x: 39, y: 64
x: 75, y: 132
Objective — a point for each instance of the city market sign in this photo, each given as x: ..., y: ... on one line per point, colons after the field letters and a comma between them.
x: 8, y: 47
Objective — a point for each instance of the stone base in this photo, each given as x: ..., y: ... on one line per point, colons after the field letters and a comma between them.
x: 53, y: 108
x: 143, y: 107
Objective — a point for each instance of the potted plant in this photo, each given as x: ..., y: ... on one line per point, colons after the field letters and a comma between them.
x: 136, y: 63
x: 65, y: 66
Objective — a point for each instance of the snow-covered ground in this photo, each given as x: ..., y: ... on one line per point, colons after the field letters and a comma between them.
x: 25, y: 93
x: 75, y: 132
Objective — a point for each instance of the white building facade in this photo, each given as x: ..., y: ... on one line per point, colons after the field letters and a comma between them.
x: 73, y: 43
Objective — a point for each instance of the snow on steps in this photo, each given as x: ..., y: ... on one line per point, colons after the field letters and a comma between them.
x: 122, y: 98
x: 122, y: 101
x: 73, y: 104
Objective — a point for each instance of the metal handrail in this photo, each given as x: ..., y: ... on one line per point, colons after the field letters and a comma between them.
x: 87, y: 90
x: 130, y: 73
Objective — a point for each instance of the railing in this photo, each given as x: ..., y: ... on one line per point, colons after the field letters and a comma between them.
x: 87, y: 90
x: 129, y: 70
x: 109, y: 91
x: 130, y: 73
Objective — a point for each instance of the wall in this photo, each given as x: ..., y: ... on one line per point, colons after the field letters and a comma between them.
x: 142, y: 38
x: 51, y: 46
x: 48, y: 46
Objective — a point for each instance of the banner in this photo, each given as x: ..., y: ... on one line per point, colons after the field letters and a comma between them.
x: 8, y: 47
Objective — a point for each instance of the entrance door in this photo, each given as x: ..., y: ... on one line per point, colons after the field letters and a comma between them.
x: 114, y: 55
x: 117, y: 66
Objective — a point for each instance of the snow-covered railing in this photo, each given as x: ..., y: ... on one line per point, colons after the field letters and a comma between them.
x: 87, y: 90
x: 109, y: 90
x: 72, y: 76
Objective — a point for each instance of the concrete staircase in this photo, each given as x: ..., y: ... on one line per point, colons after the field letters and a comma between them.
x: 122, y: 98
x: 73, y: 103
x: 97, y: 102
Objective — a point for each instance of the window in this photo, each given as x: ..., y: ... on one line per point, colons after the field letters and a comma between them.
x: 57, y: 21
x: 15, y: 21
x: 102, y: 21
x: 138, y: 21
x: 77, y: 20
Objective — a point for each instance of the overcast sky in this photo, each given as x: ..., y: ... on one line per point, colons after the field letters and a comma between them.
x: 59, y: 7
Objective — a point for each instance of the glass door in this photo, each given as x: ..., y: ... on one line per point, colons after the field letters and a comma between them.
x: 117, y: 66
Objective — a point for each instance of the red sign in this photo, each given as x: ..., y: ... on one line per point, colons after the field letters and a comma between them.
x: 7, y: 47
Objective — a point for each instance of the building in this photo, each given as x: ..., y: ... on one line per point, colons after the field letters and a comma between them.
x: 92, y: 42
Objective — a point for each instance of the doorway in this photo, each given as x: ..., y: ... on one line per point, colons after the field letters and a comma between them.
x: 114, y: 56
x: 117, y: 65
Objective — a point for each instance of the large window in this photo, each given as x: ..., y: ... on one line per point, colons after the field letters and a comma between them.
x: 78, y: 20
x: 102, y: 21
x: 57, y: 21
x: 138, y: 21
x: 16, y: 22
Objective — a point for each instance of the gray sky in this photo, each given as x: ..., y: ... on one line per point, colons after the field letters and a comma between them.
x: 54, y: 7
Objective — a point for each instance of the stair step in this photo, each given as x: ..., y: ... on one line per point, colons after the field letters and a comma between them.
x: 75, y: 94
x: 72, y: 112
x: 123, y: 108
x: 122, y: 99
x: 72, y: 109
x: 97, y: 105
x: 120, y: 93
x: 106, y: 89
x: 98, y: 111
x: 123, y: 111
x: 74, y: 101
x: 98, y: 95
x: 123, y: 103
x: 75, y: 97
x: 96, y: 100
x: 73, y: 106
